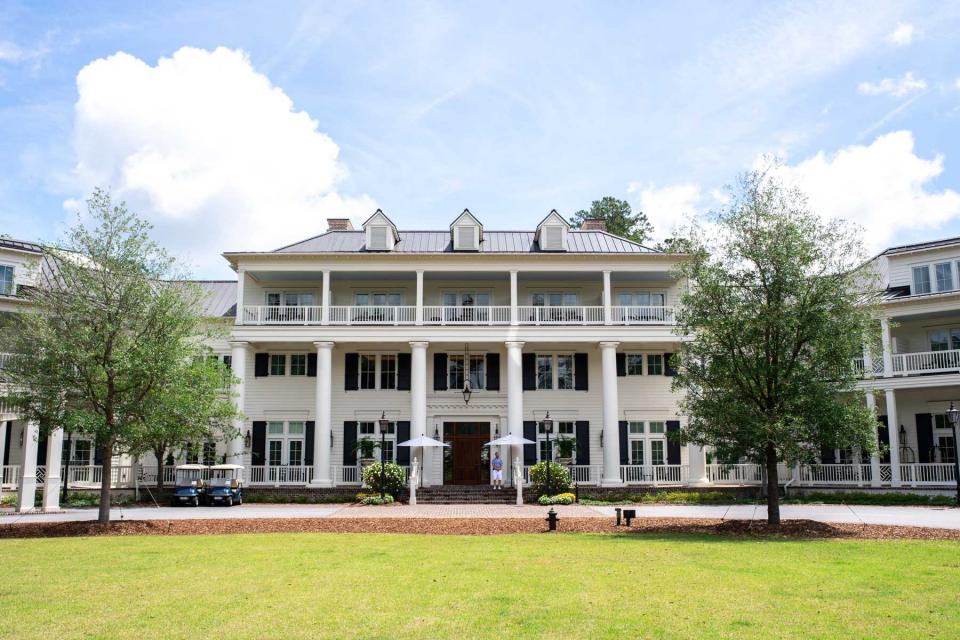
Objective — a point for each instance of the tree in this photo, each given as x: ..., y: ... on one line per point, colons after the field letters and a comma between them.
x: 111, y: 329
x: 618, y: 215
x: 188, y: 406
x: 777, y: 316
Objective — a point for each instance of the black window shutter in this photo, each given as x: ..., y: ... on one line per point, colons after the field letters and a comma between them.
x: 403, y: 372
x: 351, y: 371
x: 493, y: 372
x: 312, y: 365
x: 883, y: 435
x: 97, y: 455
x: 530, y: 450
x: 529, y: 362
x: 258, y: 449
x: 581, y: 372
x: 621, y: 365
x: 6, y: 444
x: 403, y: 434
x: 827, y: 455
x: 668, y: 370
x: 439, y: 372
x: 308, y: 437
x: 42, y: 450
x: 583, y: 442
x: 624, y: 447
x: 925, y: 437
x: 349, y: 440
x: 673, y: 442
x: 261, y: 365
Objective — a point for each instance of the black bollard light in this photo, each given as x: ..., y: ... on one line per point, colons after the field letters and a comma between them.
x: 629, y: 515
x: 617, y: 510
x: 552, y: 519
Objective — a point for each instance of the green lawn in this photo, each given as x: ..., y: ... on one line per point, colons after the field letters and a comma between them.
x: 396, y: 586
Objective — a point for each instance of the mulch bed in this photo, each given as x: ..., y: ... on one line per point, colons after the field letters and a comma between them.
x: 789, y: 529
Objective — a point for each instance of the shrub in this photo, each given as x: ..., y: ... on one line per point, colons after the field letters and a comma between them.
x: 376, y: 500
x: 394, y: 476
x: 560, y: 498
x: 559, y: 478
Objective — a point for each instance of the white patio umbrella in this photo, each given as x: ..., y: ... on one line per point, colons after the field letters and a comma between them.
x: 509, y: 440
x: 423, y: 442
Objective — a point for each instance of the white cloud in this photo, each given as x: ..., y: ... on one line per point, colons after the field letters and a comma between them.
x: 211, y: 152
x: 884, y: 187
x: 667, y: 207
x: 9, y: 52
x: 902, y: 35
x: 896, y: 87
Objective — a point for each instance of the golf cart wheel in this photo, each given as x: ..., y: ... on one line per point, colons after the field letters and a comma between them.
x: 239, y: 500
x: 230, y: 501
x: 196, y: 501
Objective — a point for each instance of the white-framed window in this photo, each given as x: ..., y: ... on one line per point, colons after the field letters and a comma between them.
x: 377, y: 371
x: 634, y: 364
x: 944, y: 274
x: 388, y: 371
x: 647, y: 442
x: 228, y: 361
x: 654, y: 364
x: 278, y: 364
x: 285, y: 443
x: 378, y: 237
x: 466, y: 237
x: 544, y: 372
x: 555, y: 371
x: 368, y: 371
x: 290, y: 299
x: 641, y: 298
x: 562, y: 429
x: 466, y: 298
x: 921, y: 279
x: 6, y: 280
x: 554, y: 299
x: 370, y: 430
x: 378, y: 298
x: 78, y: 451
x: 298, y: 364
x: 565, y: 372
x: 944, y: 339
x: 456, y: 373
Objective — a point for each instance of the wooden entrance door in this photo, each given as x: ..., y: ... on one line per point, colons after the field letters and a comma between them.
x: 469, y: 459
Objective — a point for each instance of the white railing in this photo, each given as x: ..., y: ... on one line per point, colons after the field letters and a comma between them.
x: 926, y: 362
x: 928, y: 473
x: 472, y: 315
x: 148, y: 475
x: 280, y: 475
x: 835, y: 474
x: 5, y: 358
x: 348, y: 475
x: 877, y: 367
x: 274, y: 314
x: 537, y: 315
x: 586, y: 473
x: 372, y: 314
x: 735, y: 473
x: 654, y: 474
x: 10, y: 475
x: 643, y: 315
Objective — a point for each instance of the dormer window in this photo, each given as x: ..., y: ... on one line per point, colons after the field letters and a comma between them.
x: 552, y: 233
x: 465, y: 238
x: 382, y: 234
x: 378, y: 238
x: 466, y: 232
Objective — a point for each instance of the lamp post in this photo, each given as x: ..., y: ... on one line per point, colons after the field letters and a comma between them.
x: 547, y: 429
x: 384, y: 424
x: 953, y: 415
x: 66, y: 471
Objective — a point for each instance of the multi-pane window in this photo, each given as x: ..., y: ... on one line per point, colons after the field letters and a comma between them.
x: 544, y: 372
x: 921, y: 279
x: 378, y: 299
x: 298, y: 364
x: 554, y: 299
x: 368, y: 371
x: 228, y: 362
x: 377, y: 371
x: 654, y: 364
x: 634, y: 364
x: 285, y: 443
x: 944, y: 339
x: 81, y: 454
x: 647, y: 439
x: 388, y: 372
x: 641, y: 299
x: 948, y: 452
x: 370, y: 430
x: 656, y: 452
x: 477, y: 373
x: 290, y: 299
x: 944, y: 274
x: 209, y: 453
x: 657, y: 427
x: 635, y: 367
x: 466, y: 299
x: 278, y: 364
x: 565, y: 372
x: 6, y: 280
x: 845, y: 456
x: 636, y: 452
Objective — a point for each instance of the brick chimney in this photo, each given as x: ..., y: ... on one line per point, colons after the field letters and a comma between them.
x: 339, y: 224
x: 594, y: 224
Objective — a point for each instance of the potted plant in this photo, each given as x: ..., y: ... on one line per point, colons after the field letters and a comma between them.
x: 565, y: 449
x: 365, y: 448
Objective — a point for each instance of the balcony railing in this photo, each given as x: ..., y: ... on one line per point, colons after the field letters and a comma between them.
x: 444, y: 315
x: 914, y: 363
x: 264, y: 314
x: 377, y: 315
x: 643, y: 315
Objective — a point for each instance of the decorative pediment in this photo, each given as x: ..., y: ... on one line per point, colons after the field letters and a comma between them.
x: 466, y: 232
x: 552, y: 232
x: 382, y: 234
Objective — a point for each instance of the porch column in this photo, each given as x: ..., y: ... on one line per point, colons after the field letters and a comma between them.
x: 515, y: 393
x: 51, y: 480
x: 27, y: 491
x: 875, y: 456
x: 418, y: 398
x: 238, y: 366
x: 611, y: 427
x: 322, y: 431
x: 607, y: 302
x: 887, y: 349
x: 4, y: 425
x: 514, y: 312
x: 325, y: 298
x: 697, y: 462
x: 893, y: 427
x: 419, y: 312
x: 241, y: 277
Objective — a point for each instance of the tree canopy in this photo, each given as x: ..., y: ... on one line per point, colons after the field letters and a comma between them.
x: 777, y: 316
x: 619, y: 216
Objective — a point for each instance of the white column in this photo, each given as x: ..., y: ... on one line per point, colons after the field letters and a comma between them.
x: 238, y: 366
x: 322, y: 430
x: 611, y: 413
x: 418, y: 402
x: 515, y: 394
x: 420, y: 297
x: 607, y: 302
x: 697, y: 462
x: 241, y: 277
x: 875, y: 456
x: 325, y: 298
x: 893, y: 427
x: 514, y: 312
x: 3, y: 442
x: 51, y: 480
x: 887, y: 348
x: 27, y: 490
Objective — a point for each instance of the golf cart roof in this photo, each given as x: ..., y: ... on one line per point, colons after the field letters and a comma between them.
x: 222, y: 467
x: 199, y: 467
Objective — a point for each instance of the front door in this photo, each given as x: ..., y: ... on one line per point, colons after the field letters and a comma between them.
x: 467, y: 461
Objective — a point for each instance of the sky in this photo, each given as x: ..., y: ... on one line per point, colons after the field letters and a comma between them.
x: 244, y: 126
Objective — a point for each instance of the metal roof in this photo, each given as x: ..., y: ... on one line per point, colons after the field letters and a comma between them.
x: 219, y: 297
x: 919, y: 246
x: 20, y: 245
x: 493, y: 242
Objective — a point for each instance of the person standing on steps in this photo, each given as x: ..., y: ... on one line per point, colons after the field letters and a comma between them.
x: 496, y: 465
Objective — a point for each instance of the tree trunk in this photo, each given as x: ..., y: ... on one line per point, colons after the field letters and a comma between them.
x: 773, y: 487
x: 106, y: 488
x: 158, y: 453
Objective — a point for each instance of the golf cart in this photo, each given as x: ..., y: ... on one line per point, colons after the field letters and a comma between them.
x: 190, y: 485
x: 226, y: 485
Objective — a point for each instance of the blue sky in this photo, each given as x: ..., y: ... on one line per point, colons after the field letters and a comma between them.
x: 244, y: 126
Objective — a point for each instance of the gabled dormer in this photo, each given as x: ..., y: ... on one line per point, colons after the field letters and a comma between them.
x: 552, y: 232
x: 466, y: 232
x: 382, y: 234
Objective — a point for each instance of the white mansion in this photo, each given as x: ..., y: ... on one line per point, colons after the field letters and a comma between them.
x: 465, y: 335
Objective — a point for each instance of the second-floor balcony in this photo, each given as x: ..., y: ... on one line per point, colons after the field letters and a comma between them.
x: 915, y: 363
x: 441, y: 315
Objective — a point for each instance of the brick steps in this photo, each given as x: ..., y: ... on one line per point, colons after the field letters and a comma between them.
x: 469, y: 494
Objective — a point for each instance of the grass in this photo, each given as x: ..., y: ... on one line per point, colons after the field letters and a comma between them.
x: 402, y: 586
